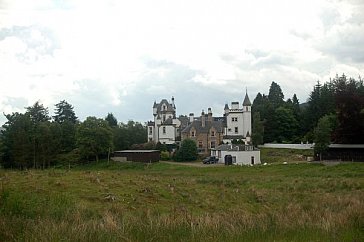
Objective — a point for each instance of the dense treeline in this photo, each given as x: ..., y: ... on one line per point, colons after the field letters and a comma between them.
x: 334, y: 110
x: 35, y: 139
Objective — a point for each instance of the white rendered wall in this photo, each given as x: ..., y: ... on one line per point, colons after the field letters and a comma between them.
x: 169, y: 136
x: 242, y: 157
x: 232, y: 124
x: 247, y: 119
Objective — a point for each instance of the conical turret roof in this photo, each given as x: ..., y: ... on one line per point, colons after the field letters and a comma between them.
x: 247, y: 100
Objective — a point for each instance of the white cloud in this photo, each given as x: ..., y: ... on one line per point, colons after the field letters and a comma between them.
x: 108, y: 56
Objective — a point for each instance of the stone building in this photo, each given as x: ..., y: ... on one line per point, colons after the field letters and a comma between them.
x: 206, y: 131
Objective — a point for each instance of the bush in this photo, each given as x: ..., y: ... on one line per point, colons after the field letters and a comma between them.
x: 187, y: 151
x: 165, y: 155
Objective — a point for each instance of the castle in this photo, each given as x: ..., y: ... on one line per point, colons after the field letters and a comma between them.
x: 207, y: 131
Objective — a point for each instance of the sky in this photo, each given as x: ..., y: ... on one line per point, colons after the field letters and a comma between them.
x: 121, y: 56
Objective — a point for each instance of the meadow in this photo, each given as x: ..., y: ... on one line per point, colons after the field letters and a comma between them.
x: 162, y: 202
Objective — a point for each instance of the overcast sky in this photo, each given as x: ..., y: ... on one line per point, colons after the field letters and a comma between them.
x: 119, y: 56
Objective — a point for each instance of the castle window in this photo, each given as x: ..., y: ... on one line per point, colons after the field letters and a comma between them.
x: 234, y: 119
x: 164, y: 108
x: 212, y: 133
x: 213, y: 144
x: 229, y: 130
x: 164, y: 130
x: 193, y: 134
x: 164, y: 118
x: 200, y: 144
x: 236, y: 130
x: 150, y: 130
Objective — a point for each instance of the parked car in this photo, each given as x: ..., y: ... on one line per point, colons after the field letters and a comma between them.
x: 210, y: 160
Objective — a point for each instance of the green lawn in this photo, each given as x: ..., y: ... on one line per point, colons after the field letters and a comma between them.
x: 163, y: 202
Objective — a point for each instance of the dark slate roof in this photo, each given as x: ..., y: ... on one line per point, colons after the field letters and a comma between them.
x: 246, y: 101
x: 150, y: 123
x: 234, y: 147
x: 226, y: 106
x: 184, y: 120
x: 168, y: 121
x: 154, y: 105
x: 233, y: 137
x: 218, y: 125
x: 169, y: 106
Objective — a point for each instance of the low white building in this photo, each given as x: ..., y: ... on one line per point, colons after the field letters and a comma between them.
x: 240, y: 154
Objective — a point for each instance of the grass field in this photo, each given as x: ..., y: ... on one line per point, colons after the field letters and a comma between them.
x: 163, y: 202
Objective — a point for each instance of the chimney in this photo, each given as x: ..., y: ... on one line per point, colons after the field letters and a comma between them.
x: 203, y: 119
x: 209, y: 115
x: 191, y: 117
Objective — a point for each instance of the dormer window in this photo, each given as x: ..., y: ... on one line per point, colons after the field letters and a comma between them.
x: 164, y: 108
x: 193, y: 134
x: 212, y: 133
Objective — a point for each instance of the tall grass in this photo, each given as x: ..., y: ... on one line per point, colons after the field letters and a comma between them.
x: 169, y: 203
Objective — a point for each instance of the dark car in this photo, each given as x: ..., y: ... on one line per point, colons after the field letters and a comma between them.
x: 210, y: 160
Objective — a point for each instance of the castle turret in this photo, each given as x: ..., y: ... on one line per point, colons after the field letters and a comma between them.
x: 226, y: 108
x: 155, y: 108
x: 247, y: 116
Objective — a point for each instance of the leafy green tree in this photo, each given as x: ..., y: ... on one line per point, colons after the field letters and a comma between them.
x: 258, y: 130
x: 322, y: 135
x: 187, y: 151
x: 112, y: 121
x: 94, y: 137
x: 64, y: 113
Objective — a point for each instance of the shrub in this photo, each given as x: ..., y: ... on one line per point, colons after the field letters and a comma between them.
x: 165, y: 155
x: 187, y: 151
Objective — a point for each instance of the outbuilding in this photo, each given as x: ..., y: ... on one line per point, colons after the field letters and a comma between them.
x: 343, y: 152
x: 237, y: 154
x: 147, y: 156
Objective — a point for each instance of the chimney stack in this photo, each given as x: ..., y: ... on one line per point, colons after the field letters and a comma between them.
x: 203, y: 119
x: 191, y: 117
x: 209, y: 115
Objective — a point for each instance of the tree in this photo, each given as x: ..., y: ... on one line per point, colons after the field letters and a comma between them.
x: 64, y: 112
x: 349, y: 105
x: 38, y: 113
x: 285, y: 125
x: 94, y: 137
x: 187, y: 151
x: 275, y: 95
x: 17, y: 141
x: 322, y: 135
x: 112, y: 121
x: 258, y: 130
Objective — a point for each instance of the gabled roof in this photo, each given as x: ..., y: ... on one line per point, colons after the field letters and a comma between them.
x: 168, y: 105
x: 247, y: 100
x: 197, y: 125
